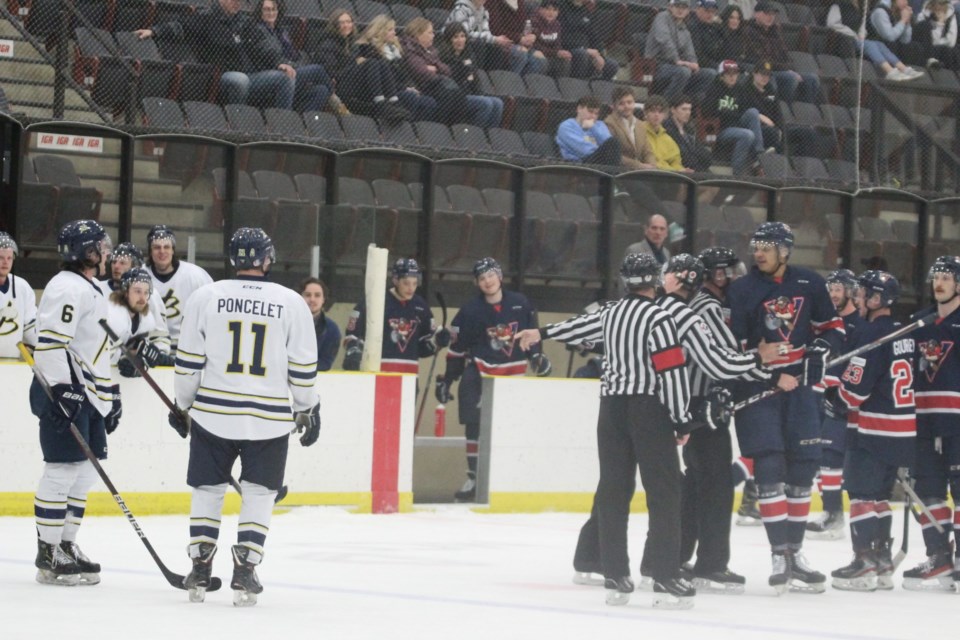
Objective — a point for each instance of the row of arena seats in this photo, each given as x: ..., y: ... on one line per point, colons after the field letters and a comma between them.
x: 53, y: 193
x: 561, y: 234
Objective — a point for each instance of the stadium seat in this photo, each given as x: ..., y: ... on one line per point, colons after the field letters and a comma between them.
x: 539, y: 144
x: 395, y: 195
x: 404, y: 13
x: 75, y: 202
x: 205, y: 116
x: 549, y: 238
x: 811, y: 168
x: 437, y: 16
x: 584, y: 254
x: 488, y: 228
x: 776, y: 166
x: 324, y: 126
x: 400, y: 134
x: 371, y: 222
x: 471, y: 138
x: 245, y: 119
x: 285, y: 122
x: 521, y: 111
x: 296, y: 218
x: 98, y: 67
x: 40, y: 199
x: 367, y: 10
x: 357, y: 127
x: 163, y: 113
x: 507, y: 142
x: 434, y: 135
x: 158, y: 77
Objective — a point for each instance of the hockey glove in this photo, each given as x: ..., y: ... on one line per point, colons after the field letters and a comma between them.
x: 833, y: 405
x: 442, y: 337
x: 814, y: 364
x: 112, y: 420
x: 442, y: 390
x: 126, y: 368
x: 684, y: 428
x: 166, y: 360
x: 541, y: 365
x: 717, y: 408
x: 308, y: 423
x: 68, y: 399
x: 149, y: 353
x: 180, y: 421
x: 352, y: 356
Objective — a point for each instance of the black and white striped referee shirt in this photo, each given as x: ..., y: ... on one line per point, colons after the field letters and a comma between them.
x: 708, y: 359
x: 642, y: 352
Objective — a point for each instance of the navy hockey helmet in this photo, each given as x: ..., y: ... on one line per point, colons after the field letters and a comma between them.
x: 844, y: 277
x: 7, y: 242
x: 882, y: 283
x: 718, y: 258
x: 639, y: 269
x: 691, y: 268
x: 483, y: 265
x: 77, y: 238
x: 776, y: 233
x: 137, y: 274
x: 406, y: 268
x: 128, y: 250
x: 160, y: 232
x: 249, y: 247
x: 943, y: 264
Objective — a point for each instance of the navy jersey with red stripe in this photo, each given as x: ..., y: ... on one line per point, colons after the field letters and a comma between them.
x: 795, y: 308
x: 938, y: 375
x: 484, y: 333
x: 878, y: 388
x: 407, y: 329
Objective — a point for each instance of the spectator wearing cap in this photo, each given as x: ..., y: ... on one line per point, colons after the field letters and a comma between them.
x: 585, y: 138
x: 630, y: 131
x: 670, y: 44
x: 546, y: 27
x: 936, y: 29
x: 765, y: 42
x: 846, y: 18
x: 579, y: 35
x: 664, y: 148
x: 739, y: 124
x: 705, y: 29
x: 759, y: 94
x: 693, y: 153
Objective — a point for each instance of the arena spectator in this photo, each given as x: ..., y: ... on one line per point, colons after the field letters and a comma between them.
x: 585, y: 138
x: 510, y: 18
x: 765, y: 42
x: 491, y: 51
x: 664, y: 148
x: 693, y: 154
x: 846, y: 18
x: 654, y: 239
x: 226, y: 37
x: 705, y: 29
x: 891, y: 22
x: 739, y: 125
x: 630, y: 131
x: 759, y: 94
x: 457, y: 52
x: 746, y: 7
x: 579, y: 35
x: 670, y: 44
x: 936, y: 29
x: 547, y: 29
x: 313, y: 87
x: 732, y: 44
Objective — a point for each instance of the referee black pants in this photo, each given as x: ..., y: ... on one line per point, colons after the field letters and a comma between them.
x: 637, y: 431
x: 707, y: 501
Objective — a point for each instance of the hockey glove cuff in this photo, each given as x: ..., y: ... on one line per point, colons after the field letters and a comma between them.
x: 149, y: 353
x: 126, y: 368
x: 308, y: 423
x: 180, y: 421
x: 442, y: 390
x: 112, y: 421
x: 814, y: 365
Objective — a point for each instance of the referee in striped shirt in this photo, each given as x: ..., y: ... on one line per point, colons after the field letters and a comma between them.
x: 644, y: 395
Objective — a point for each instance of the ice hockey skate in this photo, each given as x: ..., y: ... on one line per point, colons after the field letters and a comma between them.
x: 588, y: 575
x: 618, y: 591
x: 89, y: 571
x: 468, y: 492
x: 956, y: 575
x: 748, y: 515
x: 859, y: 575
x: 933, y: 574
x: 780, y: 572
x: 245, y: 584
x: 675, y: 593
x: 803, y: 579
x: 198, y: 580
x: 883, y: 556
x: 54, y: 566
x: 722, y: 582
x: 829, y: 526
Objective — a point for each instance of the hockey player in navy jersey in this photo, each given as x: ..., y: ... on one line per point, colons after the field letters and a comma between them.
x: 245, y: 376
x: 779, y: 302
x: 878, y: 389
x: 937, y: 468
x: 482, y: 344
x: 72, y: 359
x: 18, y: 303
x: 409, y: 330
x: 842, y: 288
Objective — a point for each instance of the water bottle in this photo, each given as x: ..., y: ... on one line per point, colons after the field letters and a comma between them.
x: 527, y: 28
x: 440, y: 421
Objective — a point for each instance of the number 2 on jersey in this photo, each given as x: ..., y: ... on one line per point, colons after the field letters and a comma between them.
x: 259, y: 332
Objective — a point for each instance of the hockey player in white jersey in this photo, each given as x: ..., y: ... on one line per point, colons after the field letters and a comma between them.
x: 124, y: 257
x: 72, y: 357
x: 132, y: 319
x: 173, y: 279
x: 247, y: 345
x: 18, y: 303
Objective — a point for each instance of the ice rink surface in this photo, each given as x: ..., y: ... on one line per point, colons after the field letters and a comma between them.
x: 446, y: 573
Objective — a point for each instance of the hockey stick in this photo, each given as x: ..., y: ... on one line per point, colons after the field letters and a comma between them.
x: 433, y: 364
x: 142, y: 370
x: 903, y: 477
x: 870, y: 346
x: 904, y: 543
x: 175, y: 579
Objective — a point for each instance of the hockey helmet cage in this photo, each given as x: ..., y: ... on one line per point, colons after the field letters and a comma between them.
x: 684, y: 263
x: 483, y: 265
x: 406, y: 268
x: 78, y: 237
x: 128, y: 250
x: 249, y: 247
x: 639, y: 270
x: 882, y: 283
x: 160, y: 232
x: 943, y: 264
x: 136, y: 274
x: 7, y: 242
x: 776, y: 233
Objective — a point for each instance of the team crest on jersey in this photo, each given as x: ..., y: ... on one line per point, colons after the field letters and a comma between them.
x: 401, y: 330
x: 932, y: 355
x: 172, y: 303
x: 8, y: 319
x: 782, y: 315
x: 501, y: 337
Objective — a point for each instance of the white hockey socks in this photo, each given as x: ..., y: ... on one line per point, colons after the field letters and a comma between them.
x: 50, y: 502
x: 77, y: 499
x: 206, y: 505
x: 256, y: 510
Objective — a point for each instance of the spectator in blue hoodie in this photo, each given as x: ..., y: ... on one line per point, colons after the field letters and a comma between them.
x: 585, y: 138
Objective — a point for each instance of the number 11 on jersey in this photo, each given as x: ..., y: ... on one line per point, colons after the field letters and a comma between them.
x: 255, y: 368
